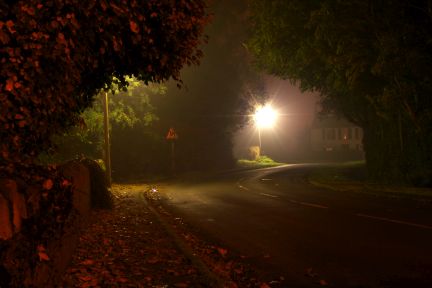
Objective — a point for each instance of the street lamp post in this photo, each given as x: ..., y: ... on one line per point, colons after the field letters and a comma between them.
x: 259, y: 137
x: 264, y: 117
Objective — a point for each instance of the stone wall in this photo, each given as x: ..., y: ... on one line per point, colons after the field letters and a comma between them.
x: 20, y: 202
x: 13, y: 208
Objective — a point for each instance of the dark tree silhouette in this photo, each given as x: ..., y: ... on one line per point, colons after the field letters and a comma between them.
x: 370, y: 61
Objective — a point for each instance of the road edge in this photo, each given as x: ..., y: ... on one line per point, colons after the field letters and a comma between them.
x: 212, y: 278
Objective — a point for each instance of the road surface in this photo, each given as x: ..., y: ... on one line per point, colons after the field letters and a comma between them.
x: 300, y: 235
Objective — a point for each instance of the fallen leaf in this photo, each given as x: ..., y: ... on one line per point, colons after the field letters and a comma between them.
x: 87, y: 262
x: 222, y: 251
x: 48, y: 184
x: 43, y: 256
x: 65, y: 183
x: 152, y: 260
x: 85, y: 278
x: 134, y: 27
x: 311, y: 273
x: 122, y: 280
x: 9, y: 85
x: 323, y: 282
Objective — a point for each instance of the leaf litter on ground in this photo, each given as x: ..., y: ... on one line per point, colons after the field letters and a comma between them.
x: 125, y: 248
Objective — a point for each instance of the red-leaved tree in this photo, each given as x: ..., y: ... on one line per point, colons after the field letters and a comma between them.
x: 56, y: 54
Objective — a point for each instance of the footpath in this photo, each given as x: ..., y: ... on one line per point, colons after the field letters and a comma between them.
x: 138, y: 244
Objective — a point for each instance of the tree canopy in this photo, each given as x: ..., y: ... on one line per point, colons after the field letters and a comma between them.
x: 56, y: 55
x: 369, y: 60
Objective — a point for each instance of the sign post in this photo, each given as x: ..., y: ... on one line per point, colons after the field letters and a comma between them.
x: 172, y: 137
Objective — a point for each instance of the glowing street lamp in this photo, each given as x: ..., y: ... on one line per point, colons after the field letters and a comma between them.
x: 264, y: 117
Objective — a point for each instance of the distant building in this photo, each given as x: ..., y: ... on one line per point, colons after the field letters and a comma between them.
x: 336, y: 136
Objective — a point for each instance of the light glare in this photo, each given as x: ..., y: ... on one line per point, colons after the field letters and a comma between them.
x: 265, y: 117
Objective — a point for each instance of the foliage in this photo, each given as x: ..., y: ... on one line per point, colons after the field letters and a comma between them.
x: 369, y: 60
x: 55, y: 55
x: 262, y: 161
x: 127, y: 110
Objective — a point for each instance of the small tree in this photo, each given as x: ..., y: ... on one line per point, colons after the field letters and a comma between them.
x: 128, y: 109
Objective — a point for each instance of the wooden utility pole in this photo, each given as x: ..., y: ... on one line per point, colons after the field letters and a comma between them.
x: 107, y: 140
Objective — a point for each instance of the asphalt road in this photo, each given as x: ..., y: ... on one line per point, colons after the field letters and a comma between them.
x: 309, y: 236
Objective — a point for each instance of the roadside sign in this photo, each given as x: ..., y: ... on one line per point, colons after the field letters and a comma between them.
x: 172, y: 134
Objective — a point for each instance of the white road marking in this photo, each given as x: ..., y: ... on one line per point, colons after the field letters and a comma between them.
x: 298, y: 202
x: 243, y: 187
x: 314, y: 205
x: 309, y: 204
x: 269, y: 195
x: 266, y: 179
x: 394, y: 221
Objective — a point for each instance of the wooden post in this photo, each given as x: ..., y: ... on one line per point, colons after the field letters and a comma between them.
x: 173, y: 157
x: 107, y: 141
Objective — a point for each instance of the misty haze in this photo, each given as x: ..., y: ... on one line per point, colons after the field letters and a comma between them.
x: 195, y: 143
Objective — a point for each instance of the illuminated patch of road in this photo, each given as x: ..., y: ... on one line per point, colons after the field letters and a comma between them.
x: 401, y: 222
x: 314, y: 205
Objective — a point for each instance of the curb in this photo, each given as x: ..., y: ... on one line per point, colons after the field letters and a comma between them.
x: 212, y: 279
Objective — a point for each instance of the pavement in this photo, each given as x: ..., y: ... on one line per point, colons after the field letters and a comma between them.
x: 138, y: 244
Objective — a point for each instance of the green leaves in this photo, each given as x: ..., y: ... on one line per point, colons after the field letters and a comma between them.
x: 128, y: 110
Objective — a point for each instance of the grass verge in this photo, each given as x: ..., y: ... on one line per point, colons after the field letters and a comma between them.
x: 261, y: 162
x: 352, y: 176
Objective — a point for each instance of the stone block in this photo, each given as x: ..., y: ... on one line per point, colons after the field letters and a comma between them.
x: 80, y: 177
x: 9, y: 189
x: 6, y: 231
x: 19, y: 209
